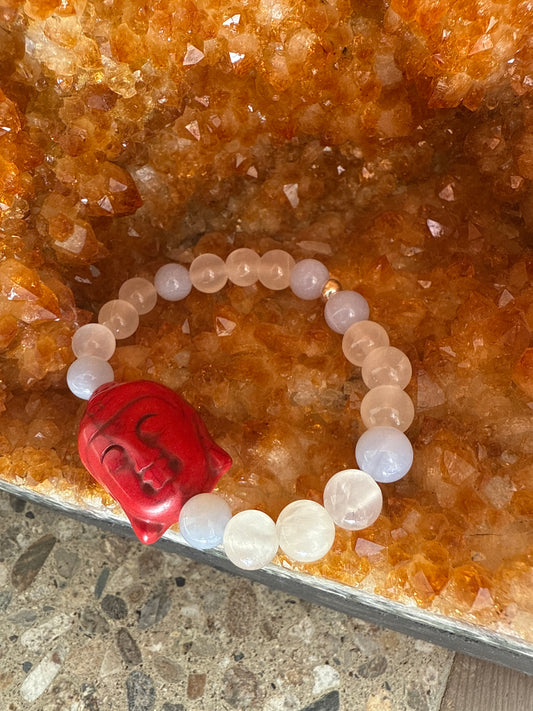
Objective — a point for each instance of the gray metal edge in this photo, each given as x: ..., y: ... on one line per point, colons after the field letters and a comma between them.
x: 455, y: 635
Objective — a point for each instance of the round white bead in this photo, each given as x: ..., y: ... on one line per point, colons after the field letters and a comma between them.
x: 387, y: 405
x: 250, y: 539
x: 308, y: 278
x: 344, y: 308
x: 275, y: 269
x: 242, y: 266
x: 306, y: 531
x: 140, y: 293
x: 93, y: 339
x: 361, y: 338
x: 86, y: 374
x: 208, y: 273
x: 172, y: 282
x: 120, y: 317
x: 353, y: 499
x: 386, y: 365
x: 385, y: 453
x: 203, y: 519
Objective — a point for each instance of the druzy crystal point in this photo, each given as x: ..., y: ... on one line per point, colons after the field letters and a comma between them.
x: 151, y: 450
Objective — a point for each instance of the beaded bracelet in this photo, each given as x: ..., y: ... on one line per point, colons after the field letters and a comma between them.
x: 152, y: 452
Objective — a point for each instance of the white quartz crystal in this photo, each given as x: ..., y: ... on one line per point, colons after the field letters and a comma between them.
x: 345, y: 308
x: 172, y: 282
x: 385, y: 453
x: 93, y: 339
x: 307, y: 279
x: 86, y: 374
x: 120, y: 317
x: 203, y: 519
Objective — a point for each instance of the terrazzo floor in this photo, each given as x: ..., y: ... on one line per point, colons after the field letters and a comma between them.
x: 92, y: 622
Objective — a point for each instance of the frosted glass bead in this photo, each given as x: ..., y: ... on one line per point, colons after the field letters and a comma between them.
x: 361, y: 338
x: 386, y: 365
x: 172, y: 282
x: 242, y: 266
x: 250, y: 539
x: 203, y: 519
x: 120, y: 317
x: 140, y: 293
x: 208, y: 273
x: 308, y: 278
x: 353, y: 499
x: 385, y: 453
x: 275, y: 269
x: 93, y: 339
x: 86, y: 374
x: 387, y: 405
x: 306, y: 531
x: 344, y: 308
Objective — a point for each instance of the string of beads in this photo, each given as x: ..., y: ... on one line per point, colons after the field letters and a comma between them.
x: 352, y: 498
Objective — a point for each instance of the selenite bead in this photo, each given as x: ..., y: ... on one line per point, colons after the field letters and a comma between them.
x: 386, y: 365
x: 250, y: 539
x: 353, y: 499
x: 86, y: 374
x: 385, y: 453
x: 203, y: 519
x: 305, y: 530
x: 172, y: 282
x: 93, y: 339
x: 120, y: 317
x: 387, y: 405
x: 140, y: 293
x: 308, y: 278
x: 361, y: 338
x: 275, y: 269
x: 242, y: 266
x: 208, y: 273
x: 344, y: 308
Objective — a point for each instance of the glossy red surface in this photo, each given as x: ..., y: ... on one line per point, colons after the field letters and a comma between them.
x: 151, y: 450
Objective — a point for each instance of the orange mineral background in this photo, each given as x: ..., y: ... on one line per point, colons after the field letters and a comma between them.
x: 395, y: 143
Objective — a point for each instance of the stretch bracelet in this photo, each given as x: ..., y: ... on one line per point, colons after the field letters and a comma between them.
x: 150, y: 449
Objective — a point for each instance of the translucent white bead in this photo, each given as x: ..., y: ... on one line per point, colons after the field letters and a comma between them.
x: 140, y: 293
x: 93, y: 339
x: 308, y: 278
x: 203, y: 519
x: 275, y: 269
x: 361, y: 338
x: 250, y: 539
x: 353, y: 499
x: 208, y: 273
x: 344, y: 308
x: 385, y: 453
x: 242, y: 266
x: 120, y: 317
x: 86, y: 374
x: 387, y: 405
x: 172, y: 282
x: 306, y: 531
x: 386, y: 365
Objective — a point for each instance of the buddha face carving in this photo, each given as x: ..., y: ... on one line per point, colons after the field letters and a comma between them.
x: 151, y: 450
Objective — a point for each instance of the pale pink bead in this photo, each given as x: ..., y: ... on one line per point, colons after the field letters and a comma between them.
x: 386, y: 365
x: 306, y: 531
x: 208, y: 273
x: 361, y: 338
x: 242, y: 266
x: 172, y: 282
x: 93, y: 339
x: 353, y: 499
x: 275, y: 269
x: 120, y: 317
x: 308, y: 278
x: 140, y: 293
x: 387, y: 405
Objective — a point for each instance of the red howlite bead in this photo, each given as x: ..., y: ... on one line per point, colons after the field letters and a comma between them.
x: 151, y: 450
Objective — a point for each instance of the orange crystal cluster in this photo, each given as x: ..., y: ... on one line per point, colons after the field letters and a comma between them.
x: 393, y: 142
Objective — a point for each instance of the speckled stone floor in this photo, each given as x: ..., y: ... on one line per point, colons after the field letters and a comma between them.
x: 93, y: 622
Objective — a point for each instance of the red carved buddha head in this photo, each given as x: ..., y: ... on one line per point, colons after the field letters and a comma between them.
x: 151, y: 450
